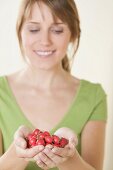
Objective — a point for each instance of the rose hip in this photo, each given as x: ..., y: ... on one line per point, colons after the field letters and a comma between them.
x: 41, y: 142
x: 41, y: 136
x: 48, y: 139
x: 32, y: 142
x: 36, y: 131
x: 37, y: 137
x: 56, y: 139
x: 63, y: 142
x: 46, y: 133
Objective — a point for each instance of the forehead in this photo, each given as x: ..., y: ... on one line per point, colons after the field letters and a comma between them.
x: 41, y: 12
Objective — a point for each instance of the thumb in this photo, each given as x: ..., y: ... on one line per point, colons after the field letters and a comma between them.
x: 20, y: 142
x: 20, y: 136
x: 74, y: 141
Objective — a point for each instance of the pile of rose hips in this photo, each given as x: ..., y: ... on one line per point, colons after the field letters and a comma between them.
x: 38, y: 137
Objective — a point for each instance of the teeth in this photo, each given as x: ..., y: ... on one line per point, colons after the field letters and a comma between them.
x: 44, y: 53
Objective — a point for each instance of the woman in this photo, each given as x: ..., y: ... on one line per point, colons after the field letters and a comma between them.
x: 46, y: 96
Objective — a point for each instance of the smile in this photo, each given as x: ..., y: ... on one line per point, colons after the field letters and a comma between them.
x: 44, y: 53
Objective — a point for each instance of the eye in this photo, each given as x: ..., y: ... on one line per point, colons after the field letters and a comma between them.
x: 34, y: 30
x: 57, y: 31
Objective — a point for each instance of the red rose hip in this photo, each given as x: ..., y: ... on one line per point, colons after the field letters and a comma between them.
x: 37, y: 137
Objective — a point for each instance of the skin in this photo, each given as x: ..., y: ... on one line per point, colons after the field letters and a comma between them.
x: 68, y: 157
x: 46, y: 77
x: 40, y: 33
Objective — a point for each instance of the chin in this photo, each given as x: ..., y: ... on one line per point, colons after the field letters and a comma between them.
x: 45, y: 67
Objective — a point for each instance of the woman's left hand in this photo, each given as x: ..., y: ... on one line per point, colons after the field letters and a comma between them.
x: 53, y: 156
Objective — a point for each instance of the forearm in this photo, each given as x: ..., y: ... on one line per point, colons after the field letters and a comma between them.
x: 75, y: 162
x: 9, y: 160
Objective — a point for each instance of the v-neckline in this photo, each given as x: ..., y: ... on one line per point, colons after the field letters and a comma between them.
x: 75, y: 98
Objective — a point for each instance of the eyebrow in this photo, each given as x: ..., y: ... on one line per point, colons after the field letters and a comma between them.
x: 37, y: 23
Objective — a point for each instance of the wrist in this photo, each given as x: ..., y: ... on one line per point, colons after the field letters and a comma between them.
x: 75, y: 162
x: 69, y: 163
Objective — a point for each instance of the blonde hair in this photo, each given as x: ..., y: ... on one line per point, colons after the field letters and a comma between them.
x: 65, y: 10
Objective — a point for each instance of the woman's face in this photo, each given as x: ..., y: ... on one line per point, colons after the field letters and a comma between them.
x: 44, y: 41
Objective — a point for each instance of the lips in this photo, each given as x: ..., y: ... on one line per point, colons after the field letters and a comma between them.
x: 44, y: 53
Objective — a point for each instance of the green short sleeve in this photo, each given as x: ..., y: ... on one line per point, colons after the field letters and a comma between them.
x: 100, y: 110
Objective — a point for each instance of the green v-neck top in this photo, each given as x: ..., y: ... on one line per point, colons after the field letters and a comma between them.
x: 88, y: 104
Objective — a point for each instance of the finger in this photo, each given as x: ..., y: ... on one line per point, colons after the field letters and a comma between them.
x: 20, y: 135
x: 49, y: 146
x: 67, y: 133
x: 45, y: 159
x: 73, y: 141
x: 64, y: 152
x: 41, y: 164
x: 29, y: 153
x: 55, y: 158
x: 20, y: 142
x: 22, y: 131
x: 29, y: 159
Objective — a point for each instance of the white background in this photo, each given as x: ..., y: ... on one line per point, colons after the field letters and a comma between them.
x: 93, y: 61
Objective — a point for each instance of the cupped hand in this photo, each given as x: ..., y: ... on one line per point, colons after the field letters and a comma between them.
x: 68, y: 134
x: 21, y: 144
x: 53, y: 156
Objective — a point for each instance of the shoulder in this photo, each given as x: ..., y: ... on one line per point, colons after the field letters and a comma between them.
x: 4, y: 86
x: 91, y: 93
x: 95, y: 96
x: 93, y: 88
x: 90, y: 88
x: 2, y: 81
x: 3, y: 89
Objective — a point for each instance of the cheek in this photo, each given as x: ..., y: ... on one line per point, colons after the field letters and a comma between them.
x: 64, y: 40
x: 63, y: 44
x: 27, y: 41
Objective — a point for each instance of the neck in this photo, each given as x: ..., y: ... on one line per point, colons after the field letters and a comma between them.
x: 46, y: 79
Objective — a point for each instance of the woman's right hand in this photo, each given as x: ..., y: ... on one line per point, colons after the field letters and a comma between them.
x: 21, y: 144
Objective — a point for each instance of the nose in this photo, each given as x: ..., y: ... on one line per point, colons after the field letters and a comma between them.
x: 45, y: 38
